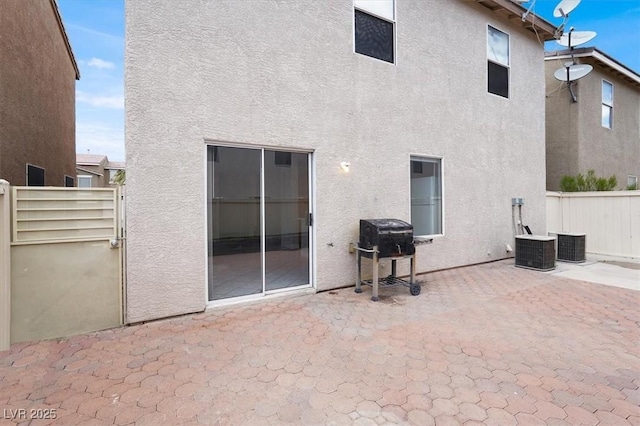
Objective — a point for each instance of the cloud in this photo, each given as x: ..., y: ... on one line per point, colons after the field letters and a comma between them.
x: 106, y: 36
x: 101, y: 64
x: 100, y: 138
x: 100, y: 101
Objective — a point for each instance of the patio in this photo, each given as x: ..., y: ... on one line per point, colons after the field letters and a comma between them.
x: 488, y: 344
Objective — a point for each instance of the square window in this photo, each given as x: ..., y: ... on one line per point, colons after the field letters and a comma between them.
x: 84, y: 181
x: 498, y: 81
x: 498, y: 62
x: 69, y: 182
x: 632, y: 182
x: 373, y: 36
x: 35, y: 175
x: 426, y: 196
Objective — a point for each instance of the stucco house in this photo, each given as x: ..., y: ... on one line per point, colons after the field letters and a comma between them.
x: 601, y: 131
x: 37, y: 95
x: 96, y: 171
x: 258, y: 134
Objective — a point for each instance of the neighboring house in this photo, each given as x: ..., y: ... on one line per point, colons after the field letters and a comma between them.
x: 37, y: 95
x: 243, y: 118
x: 601, y: 131
x: 96, y: 171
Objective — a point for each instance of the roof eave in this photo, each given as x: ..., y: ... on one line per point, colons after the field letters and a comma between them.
x: 601, y: 57
x: 543, y: 29
x: 54, y: 6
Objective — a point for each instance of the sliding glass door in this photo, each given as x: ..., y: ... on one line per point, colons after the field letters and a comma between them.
x: 258, y: 221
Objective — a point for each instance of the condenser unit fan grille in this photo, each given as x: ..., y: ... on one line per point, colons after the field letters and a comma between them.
x: 535, y: 252
x: 571, y: 248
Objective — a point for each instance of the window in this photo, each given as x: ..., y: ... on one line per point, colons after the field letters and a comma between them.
x: 497, y: 62
x: 69, y: 182
x: 632, y: 182
x: 84, y: 181
x: 426, y: 196
x: 35, y: 175
x: 112, y: 174
x: 607, y: 104
x: 374, y: 28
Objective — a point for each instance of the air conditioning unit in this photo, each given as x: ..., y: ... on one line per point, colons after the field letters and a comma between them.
x: 572, y: 247
x: 536, y: 252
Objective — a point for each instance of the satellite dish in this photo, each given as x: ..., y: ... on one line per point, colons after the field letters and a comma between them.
x: 565, y: 7
x: 575, y: 72
x: 577, y: 38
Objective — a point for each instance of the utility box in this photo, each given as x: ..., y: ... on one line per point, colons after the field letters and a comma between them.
x: 536, y: 252
x: 572, y: 247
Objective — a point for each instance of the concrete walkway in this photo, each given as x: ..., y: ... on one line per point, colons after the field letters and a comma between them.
x: 608, y: 270
x: 489, y: 344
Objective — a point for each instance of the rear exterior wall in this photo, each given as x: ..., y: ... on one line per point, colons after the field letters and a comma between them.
x: 284, y: 74
x: 37, y: 89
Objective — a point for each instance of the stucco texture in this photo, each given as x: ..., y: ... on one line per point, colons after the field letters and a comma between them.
x: 37, y: 92
x: 576, y: 139
x: 284, y: 74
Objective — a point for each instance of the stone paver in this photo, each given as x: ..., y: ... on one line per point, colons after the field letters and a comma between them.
x: 489, y: 344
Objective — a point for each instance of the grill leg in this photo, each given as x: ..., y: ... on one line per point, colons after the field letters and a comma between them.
x: 413, y: 269
x: 358, y: 272
x: 374, y: 283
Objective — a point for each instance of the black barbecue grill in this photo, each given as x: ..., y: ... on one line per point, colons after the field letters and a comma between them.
x: 386, y: 238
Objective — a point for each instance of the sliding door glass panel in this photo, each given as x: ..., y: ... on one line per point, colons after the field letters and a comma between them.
x: 233, y: 200
x: 286, y: 198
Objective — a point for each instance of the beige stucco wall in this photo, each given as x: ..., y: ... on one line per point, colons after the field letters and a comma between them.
x: 37, y: 93
x: 284, y: 74
x: 576, y: 139
x: 562, y: 118
x: 63, y: 289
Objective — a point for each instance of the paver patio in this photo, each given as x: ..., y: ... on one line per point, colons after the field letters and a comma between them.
x: 488, y: 344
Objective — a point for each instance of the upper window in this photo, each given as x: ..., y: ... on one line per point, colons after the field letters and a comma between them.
x: 374, y: 28
x: 35, y: 175
x: 607, y: 104
x: 112, y: 174
x: 69, y: 182
x: 426, y: 196
x: 84, y: 181
x: 632, y: 182
x: 497, y: 62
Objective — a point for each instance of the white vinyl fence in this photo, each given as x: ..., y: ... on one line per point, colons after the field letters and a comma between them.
x: 610, y: 219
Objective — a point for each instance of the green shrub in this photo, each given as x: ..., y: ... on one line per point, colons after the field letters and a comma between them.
x: 582, y: 183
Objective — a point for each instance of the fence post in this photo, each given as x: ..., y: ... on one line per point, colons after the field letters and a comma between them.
x: 5, y: 266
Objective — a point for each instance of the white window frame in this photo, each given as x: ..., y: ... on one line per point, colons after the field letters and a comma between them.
x: 507, y: 66
x: 604, y: 104
x: 395, y: 34
x: 85, y: 176
x: 633, y: 178
x: 441, y: 161
x: 112, y: 174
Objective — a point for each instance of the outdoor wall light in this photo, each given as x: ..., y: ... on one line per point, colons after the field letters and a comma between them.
x: 345, y: 166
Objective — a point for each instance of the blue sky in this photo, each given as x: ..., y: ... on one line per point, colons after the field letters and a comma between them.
x: 96, y: 30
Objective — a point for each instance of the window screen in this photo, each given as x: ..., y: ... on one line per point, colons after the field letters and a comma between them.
x: 374, y: 36
x: 35, y: 175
